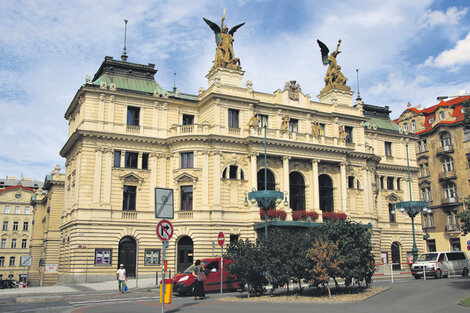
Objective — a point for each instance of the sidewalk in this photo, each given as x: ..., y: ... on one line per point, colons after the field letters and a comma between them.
x: 57, y: 292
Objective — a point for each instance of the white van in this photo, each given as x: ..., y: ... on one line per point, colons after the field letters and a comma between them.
x: 440, y: 264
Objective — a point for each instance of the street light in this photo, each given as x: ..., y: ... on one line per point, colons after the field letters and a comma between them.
x: 265, y: 199
x: 412, y: 208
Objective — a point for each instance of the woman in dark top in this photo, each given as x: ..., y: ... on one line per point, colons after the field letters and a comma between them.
x: 200, y: 278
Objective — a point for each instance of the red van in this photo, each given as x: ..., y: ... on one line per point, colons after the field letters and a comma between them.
x: 183, y: 283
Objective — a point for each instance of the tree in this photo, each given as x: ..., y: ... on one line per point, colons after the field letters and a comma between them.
x: 465, y: 220
x: 327, y: 263
x: 248, y: 264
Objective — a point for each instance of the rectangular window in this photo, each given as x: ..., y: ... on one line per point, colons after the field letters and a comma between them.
x: 349, y: 134
x: 5, y: 226
x: 350, y: 182
x: 25, y: 226
x: 17, y: 210
x: 391, y: 213
x: 152, y: 256
x: 234, y: 238
x: 117, y: 158
x: 431, y: 219
x: 186, y: 198
x: 188, y: 119
x: 187, y: 160
x: 133, y: 115
x: 425, y: 145
x: 390, y: 183
x: 431, y: 245
x: 13, y: 243
x: 24, y: 242
x: 293, y: 125
x: 455, y: 244
x: 145, y: 161
x: 131, y: 159
x: 468, y: 159
x: 2, y: 261
x: 233, y: 118
x: 263, y: 120
x: 103, y: 256
x: 322, y: 130
x: 7, y: 209
x: 129, y: 198
x: 3, y: 245
x: 15, y: 226
x: 388, y: 149
x: 466, y: 133
x: 26, y: 210
x: 12, y: 261
x: 413, y: 125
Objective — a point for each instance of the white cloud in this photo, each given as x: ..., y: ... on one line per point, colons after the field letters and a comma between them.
x: 457, y: 56
x: 451, y: 17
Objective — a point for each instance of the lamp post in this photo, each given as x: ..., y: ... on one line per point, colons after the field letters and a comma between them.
x: 412, y: 208
x: 265, y: 199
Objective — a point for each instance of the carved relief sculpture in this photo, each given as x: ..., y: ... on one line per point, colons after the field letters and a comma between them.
x: 254, y: 122
x: 342, y: 133
x: 224, y: 55
x: 334, y: 78
x: 293, y: 89
x: 315, y: 128
x: 285, y: 123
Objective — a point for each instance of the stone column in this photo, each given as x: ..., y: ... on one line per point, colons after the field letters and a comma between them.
x: 216, y: 166
x: 253, y: 171
x: 153, y: 166
x: 97, y: 177
x: 108, y: 166
x: 366, y: 188
x: 139, y: 161
x: 122, y: 162
x: 217, y: 121
x: 344, y: 190
x: 165, y: 119
x: 101, y: 110
x: 315, y: 186
x: 205, y: 179
x: 285, y: 171
x: 155, y: 121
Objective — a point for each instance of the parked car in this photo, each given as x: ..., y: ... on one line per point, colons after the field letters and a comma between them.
x: 439, y: 264
x: 4, y: 284
x: 183, y: 283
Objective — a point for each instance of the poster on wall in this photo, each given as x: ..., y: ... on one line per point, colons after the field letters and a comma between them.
x: 51, y: 268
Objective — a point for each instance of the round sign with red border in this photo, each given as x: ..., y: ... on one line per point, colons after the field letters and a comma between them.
x: 164, y: 230
x: 221, y: 239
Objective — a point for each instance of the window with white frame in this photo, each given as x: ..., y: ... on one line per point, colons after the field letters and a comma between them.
x: 2, y: 261
x: 431, y: 120
x: 187, y: 160
x: 5, y: 225
x: 26, y: 210
x: 7, y: 209
x: 413, y: 125
x: 442, y: 115
x: 388, y: 149
x: 24, y: 242
x: 466, y: 134
x: 13, y: 243
x: 15, y: 226
x: 293, y: 125
x: 3, y: 244
x: 263, y: 120
x: 447, y: 164
x: 405, y: 127
x: 12, y: 261
x: 25, y: 226
x: 17, y: 210
x: 450, y: 190
x: 445, y: 139
x: 233, y: 118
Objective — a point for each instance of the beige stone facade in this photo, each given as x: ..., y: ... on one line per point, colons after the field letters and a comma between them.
x: 16, y: 218
x: 48, y: 204
x: 127, y: 136
x: 443, y: 151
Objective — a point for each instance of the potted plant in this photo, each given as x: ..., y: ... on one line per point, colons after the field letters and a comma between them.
x: 334, y: 216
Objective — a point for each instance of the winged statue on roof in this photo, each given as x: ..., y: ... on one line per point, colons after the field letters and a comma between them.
x: 334, y: 77
x: 224, y: 55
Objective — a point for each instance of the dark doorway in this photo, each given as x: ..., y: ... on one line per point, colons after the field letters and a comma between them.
x: 326, y: 193
x: 270, y: 178
x: 297, y: 191
x: 396, y: 256
x: 127, y: 253
x: 185, y: 253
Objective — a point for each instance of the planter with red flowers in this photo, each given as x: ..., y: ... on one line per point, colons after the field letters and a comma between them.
x: 334, y: 216
x: 303, y: 215
x: 273, y: 214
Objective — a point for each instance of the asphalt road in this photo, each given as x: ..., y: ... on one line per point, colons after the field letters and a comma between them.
x: 407, y: 295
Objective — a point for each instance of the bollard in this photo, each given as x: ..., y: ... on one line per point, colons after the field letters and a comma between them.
x: 156, y: 278
x: 424, y: 271
x: 391, y: 271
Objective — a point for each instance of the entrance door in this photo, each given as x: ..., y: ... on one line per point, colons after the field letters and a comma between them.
x: 127, y: 252
x: 396, y: 256
x: 185, y: 253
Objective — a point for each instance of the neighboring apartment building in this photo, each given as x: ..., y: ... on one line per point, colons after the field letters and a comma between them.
x: 16, y: 219
x: 127, y: 135
x: 23, y: 181
x: 48, y: 204
x: 443, y: 156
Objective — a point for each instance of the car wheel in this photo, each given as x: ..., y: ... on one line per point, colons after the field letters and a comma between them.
x: 438, y: 274
x: 465, y: 272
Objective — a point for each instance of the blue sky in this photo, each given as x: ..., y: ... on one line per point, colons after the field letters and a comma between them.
x: 406, y: 51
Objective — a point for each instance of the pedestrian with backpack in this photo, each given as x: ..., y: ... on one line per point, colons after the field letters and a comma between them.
x: 200, y: 278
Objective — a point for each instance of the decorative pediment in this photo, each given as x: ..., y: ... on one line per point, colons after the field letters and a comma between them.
x: 131, y: 179
x: 393, y: 198
x: 424, y: 183
x: 186, y: 178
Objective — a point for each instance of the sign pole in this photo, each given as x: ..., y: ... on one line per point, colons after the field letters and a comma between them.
x: 164, y: 232
x: 221, y: 268
x: 162, y: 298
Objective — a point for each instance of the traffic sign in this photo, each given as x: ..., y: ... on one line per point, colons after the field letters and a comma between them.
x: 26, y: 260
x: 164, y: 230
x: 221, y: 239
x: 164, y: 207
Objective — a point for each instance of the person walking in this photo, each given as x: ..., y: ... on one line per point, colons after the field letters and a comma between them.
x: 121, y: 276
x: 200, y: 278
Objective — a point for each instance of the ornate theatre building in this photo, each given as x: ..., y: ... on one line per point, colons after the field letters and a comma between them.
x: 128, y: 135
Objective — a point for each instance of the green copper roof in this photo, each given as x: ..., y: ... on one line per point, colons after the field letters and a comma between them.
x: 130, y: 83
x: 383, y: 124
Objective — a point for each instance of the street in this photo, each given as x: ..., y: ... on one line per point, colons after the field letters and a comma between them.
x: 406, y: 295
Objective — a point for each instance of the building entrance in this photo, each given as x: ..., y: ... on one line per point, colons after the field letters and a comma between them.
x: 127, y: 253
x: 396, y: 256
x: 185, y: 253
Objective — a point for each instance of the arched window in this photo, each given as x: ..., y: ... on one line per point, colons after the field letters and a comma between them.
x: 445, y: 139
x: 296, y: 191
x: 396, y: 256
x: 233, y: 172
x: 447, y: 164
x: 326, y: 193
x: 271, y: 183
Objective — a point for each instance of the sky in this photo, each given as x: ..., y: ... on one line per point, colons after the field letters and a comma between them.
x: 406, y: 52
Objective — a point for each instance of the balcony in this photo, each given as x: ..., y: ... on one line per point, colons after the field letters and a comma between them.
x: 185, y: 215
x: 133, y: 129
x: 452, y: 228
x: 447, y: 175
x: 445, y: 150
x: 450, y: 201
x: 129, y: 215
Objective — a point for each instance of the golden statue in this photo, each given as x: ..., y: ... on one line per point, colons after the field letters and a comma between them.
x: 224, y: 56
x: 285, y: 123
x: 334, y: 77
x: 254, y: 122
x: 342, y: 133
x: 316, y: 129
